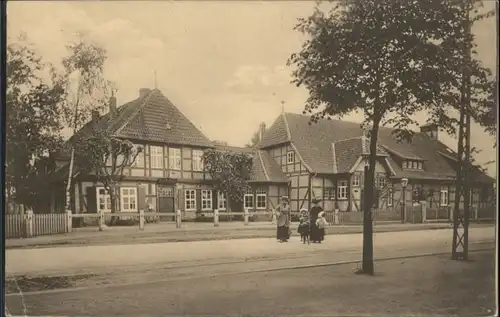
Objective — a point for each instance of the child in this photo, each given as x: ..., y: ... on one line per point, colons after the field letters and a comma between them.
x: 321, y: 222
x: 304, y: 226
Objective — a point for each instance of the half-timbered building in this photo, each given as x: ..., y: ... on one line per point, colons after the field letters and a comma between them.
x: 327, y: 159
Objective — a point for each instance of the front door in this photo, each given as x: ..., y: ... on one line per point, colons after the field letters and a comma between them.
x: 166, y: 199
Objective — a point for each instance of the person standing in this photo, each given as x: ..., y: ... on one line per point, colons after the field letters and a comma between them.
x: 317, y: 233
x: 283, y: 220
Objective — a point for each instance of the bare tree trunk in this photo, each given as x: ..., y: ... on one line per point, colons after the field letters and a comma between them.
x: 368, y: 202
x: 70, y: 178
x: 112, y: 198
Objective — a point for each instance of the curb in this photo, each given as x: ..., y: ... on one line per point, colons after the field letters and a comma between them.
x: 134, y: 240
x: 272, y: 269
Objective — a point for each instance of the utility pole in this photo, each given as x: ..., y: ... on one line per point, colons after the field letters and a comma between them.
x: 461, y: 219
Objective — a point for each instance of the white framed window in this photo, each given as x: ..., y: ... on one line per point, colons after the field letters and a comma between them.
x: 381, y: 181
x: 443, y: 196
x: 128, y: 199
x: 355, y: 180
x: 342, y: 190
x: 390, y: 197
x: 190, y: 199
x: 156, y: 156
x: 197, y: 160
x: 261, y: 198
x: 420, y: 166
x: 221, y: 201
x: 174, y: 158
x: 248, y: 200
x: 290, y: 157
x: 206, y: 199
x: 103, y: 200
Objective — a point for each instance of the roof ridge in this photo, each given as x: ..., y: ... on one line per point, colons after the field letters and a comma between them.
x: 142, y: 105
x: 287, y: 128
x: 263, y: 165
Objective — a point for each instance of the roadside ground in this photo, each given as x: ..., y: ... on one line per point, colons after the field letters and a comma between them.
x: 423, y: 286
x: 167, y: 232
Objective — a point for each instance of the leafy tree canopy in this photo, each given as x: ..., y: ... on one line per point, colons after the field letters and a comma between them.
x: 230, y: 170
x: 33, y: 119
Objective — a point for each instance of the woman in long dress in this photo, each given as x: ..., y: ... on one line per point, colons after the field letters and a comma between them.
x: 283, y: 220
x: 317, y: 234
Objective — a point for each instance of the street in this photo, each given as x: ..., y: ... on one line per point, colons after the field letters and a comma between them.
x: 432, y: 285
x: 255, y: 277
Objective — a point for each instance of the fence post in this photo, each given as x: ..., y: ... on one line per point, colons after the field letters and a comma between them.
x: 178, y: 218
x: 424, y: 211
x: 245, y: 216
x: 69, y: 220
x: 101, y: 220
x: 216, y: 217
x: 141, y: 219
x: 336, y: 219
x: 29, y: 223
x: 273, y: 219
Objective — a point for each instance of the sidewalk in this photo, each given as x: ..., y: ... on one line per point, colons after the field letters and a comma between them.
x: 167, y: 232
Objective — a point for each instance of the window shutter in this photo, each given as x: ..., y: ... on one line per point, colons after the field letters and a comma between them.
x: 198, y: 199
x: 215, y: 200
x: 91, y: 200
x: 141, y: 198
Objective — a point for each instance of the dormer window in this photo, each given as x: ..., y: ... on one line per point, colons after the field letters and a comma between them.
x: 414, y: 165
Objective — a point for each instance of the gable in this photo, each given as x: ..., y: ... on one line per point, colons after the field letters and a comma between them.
x: 158, y: 120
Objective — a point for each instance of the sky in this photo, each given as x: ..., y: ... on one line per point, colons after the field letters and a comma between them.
x: 222, y: 63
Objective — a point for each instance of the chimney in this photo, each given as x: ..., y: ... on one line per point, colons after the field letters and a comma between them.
x: 95, y: 116
x: 143, y: 92
x: 112, y: 106
x: 262, y: 130
x: 431, y: 130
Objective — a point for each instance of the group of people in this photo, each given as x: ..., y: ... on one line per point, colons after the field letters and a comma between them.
x: 312, y: 223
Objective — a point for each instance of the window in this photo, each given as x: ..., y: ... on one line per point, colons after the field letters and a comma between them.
x: 261, y: 198
x: 174, y: 158
x: 139, y: 160
x: 381, y: 181
x: 206, y: 199
x: 443, y: 197
x: 128, y: 199
x: 329, y: 193
x: 290, y: 157
x: 414, y: 164
x: 420, y: 166
x: 190, y: 199
x: 197, y: 160
x: 221, y: 201
x: 342, y: 190
x: 156, y: 157
x: 104, y: 200
x: 355, y: 180
x: 390, y: 197
x: 248, y: 200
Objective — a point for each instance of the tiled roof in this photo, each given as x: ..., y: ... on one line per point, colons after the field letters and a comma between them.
x: 348, y: 151
x: 314, y: 143
x: 149, y: 118
x: 264, y: 168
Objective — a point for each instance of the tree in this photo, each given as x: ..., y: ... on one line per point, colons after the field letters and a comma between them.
x: 230, y: 170
x: 376, y: 57
x: 106, y: 157
x: 33, y: 109
x: 86, y: 90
